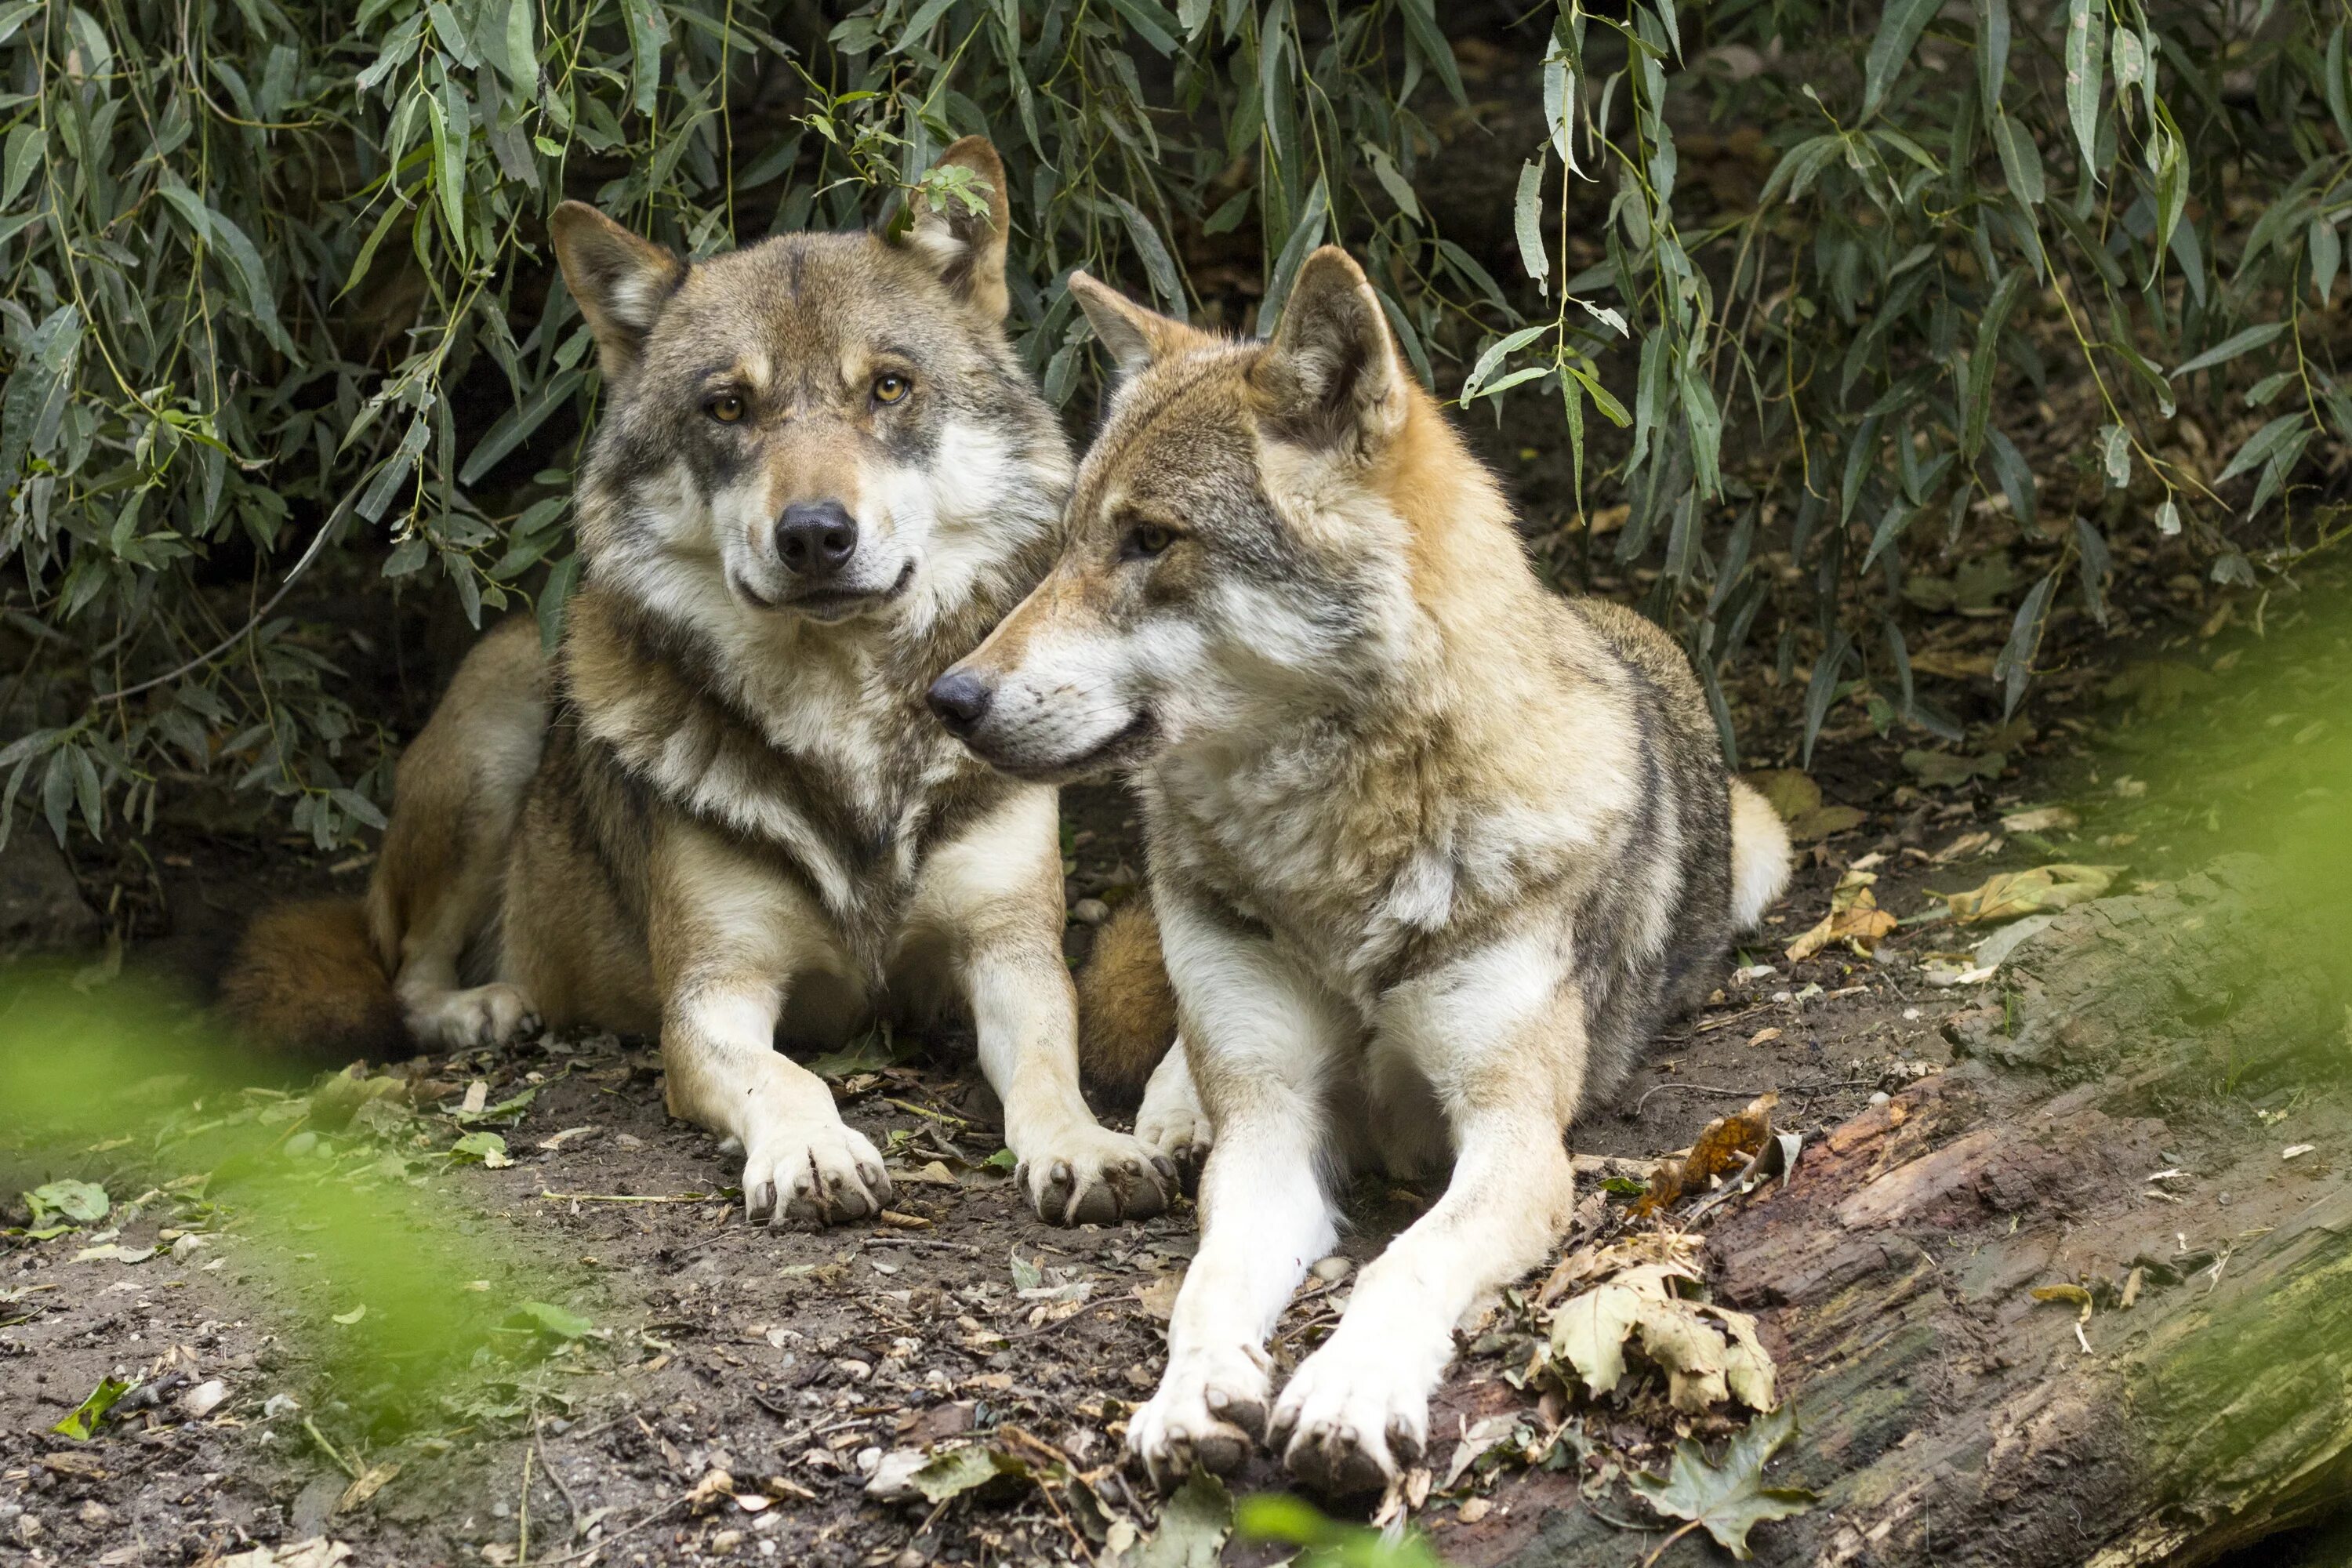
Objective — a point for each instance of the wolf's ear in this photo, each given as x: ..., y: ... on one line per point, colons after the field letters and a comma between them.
x: 1331, y: 376
x: 620, y: 279
x: 1134, y: 336
x: 964, y: 247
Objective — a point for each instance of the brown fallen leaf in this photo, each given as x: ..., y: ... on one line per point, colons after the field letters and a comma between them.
x: 1966, y: 844
x: 1791, y: 793
x: 371, y: 1481
x: 1709, y: 1354
x: 2007, y: 895
x: 1157, y: 1294
x: 2073, y: 1295
x: 1724, y: 1145
x: 1854, y: 918
x: 2043, y: 819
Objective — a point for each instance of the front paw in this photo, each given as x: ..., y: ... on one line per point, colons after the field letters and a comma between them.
x: 1178, y: 1130
x: 1091, y: 1176
x: 813, y: 1174
x: 1208, y: 1413
x: 1349, y: 1422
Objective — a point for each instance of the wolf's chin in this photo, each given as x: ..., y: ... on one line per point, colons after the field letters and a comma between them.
x: 1122, y: 748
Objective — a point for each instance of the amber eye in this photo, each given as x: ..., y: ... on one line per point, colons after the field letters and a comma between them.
x: 891, y: 387
x: 1144, y: 541
x: 726, y: 408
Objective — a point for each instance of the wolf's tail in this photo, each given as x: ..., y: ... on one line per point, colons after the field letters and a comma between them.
x: 307, y: 980
x: 1126, y: 1014
x: 1759, y: 856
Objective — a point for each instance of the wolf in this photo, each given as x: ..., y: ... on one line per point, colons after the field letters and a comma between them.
x: 821, y: 475
x: 1432, y: 849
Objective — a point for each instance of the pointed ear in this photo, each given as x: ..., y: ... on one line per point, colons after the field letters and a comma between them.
x: 620, y: 279
x: 1330, y: 376
x: 964, y: 244
x: 1135, y: 336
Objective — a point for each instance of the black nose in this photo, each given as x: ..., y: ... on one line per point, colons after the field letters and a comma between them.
x: 961, y: 698
x: 817, y: 539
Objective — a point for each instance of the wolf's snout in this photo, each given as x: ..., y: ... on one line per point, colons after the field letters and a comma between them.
x: 961, y: 698
x: 815, y: 539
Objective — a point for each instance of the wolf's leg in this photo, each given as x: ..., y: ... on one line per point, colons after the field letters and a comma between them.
x: 726, y: 939
x: 1171, y: 1119
x: 1263, y: 1040
x: 442, y: 875
x: 1500, y: 1037
x: 995, y: 895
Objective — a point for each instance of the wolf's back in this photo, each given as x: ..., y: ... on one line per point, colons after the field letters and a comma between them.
x: 306, y: 982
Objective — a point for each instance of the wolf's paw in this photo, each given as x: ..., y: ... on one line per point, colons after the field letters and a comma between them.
x: 1091, y: 1176
x: 1349, y: 1422
x: 479, y: 1016
x: 814, y: 1174
x: 1179, y: 1131
x: 1208, y: 1413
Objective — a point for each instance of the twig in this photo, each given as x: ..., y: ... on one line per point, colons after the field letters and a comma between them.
x: 935, y: 1245
x: 594, y: 1547
x: 1692, y: 1089
x: 522, y: 1507
x: 926, y: 1111
x: 1057, y: 1323
x: 319, y: 542
x: 333, y: 1453
x: 1669, y: 1541
x: 570, y: 1503
x: 626, y: 1198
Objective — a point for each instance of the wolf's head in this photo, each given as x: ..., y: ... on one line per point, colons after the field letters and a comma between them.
x: 1252, y: 541
x: 817, y: 427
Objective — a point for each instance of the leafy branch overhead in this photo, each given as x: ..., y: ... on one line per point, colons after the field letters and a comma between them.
x: 280, y: 328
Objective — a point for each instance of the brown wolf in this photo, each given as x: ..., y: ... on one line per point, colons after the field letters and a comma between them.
x: 820, y: 476
x: 1433, y: 850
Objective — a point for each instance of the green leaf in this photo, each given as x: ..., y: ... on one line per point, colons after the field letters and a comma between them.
x: 1193, y: 1525
x: 2231, y: 347
x: 2087, y: 59
x: 546, y: 1318
x: 87, y: 1415
x: 483, y: 1148
x: 2114, y: 454
x: 1497, y: 353
x: 2020, y: 159
x: 522, y: 46
x: 2014, y: 667
x: 1398, y: 188
x: 1158, y: 265
x: 1899, y: 26
x: 85, y: 1202
x: 2326, y: 250
x: 1304, y: 238
x: 1526, y: 218
x: 562, y: 578
x: 1420, y: 30
x: 1727, y: 1499
x: 1822, y: 691
x: 648, y: 32
x: 1986, y: 361
x: 21, y: 157
x: 1992, y: 53
x: 968, y: 1468
x: 1151, y: 23
x: 2263, y: 444
x: 2016, y: 480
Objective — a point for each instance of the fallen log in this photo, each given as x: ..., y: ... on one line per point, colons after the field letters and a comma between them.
x: 2191, y: 1392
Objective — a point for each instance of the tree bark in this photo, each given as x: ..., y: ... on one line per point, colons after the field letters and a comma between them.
x: 1947, y: 1414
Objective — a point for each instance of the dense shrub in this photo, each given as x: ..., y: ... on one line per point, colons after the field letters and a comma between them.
x: 278, y: 301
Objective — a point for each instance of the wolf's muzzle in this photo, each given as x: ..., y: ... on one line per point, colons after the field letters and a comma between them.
x: 817, y: 540
x: 961, y: 698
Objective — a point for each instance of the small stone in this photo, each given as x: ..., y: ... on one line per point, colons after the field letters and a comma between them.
x: 911, y: 1558
x: 95, y: 1514
x: 300, y: 1144
x: 1090, y: 911
x: 1332, y: 1269
x: 1880, y: 1097
x: 725, y: 1541
x: 201, y: 1401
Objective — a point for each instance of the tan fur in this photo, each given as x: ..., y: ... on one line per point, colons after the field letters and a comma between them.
x: 306, y: 982
x: 1126, y: 1014
x: 721, y: 812
x: 1434, y: 851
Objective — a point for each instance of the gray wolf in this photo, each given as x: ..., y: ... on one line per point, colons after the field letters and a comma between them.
x: 1432, y: 849
x: 721, y: 808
